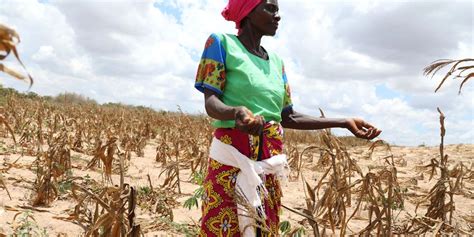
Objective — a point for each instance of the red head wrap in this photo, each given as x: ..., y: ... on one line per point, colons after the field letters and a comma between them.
x: 236, y: 10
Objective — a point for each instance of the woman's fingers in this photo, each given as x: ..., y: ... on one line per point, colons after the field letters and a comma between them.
x: 256, y: 126
x: 361, y: 133
x: 248, y: 123
x: 371, y: 133
x: 375, y: 134
x: 242, y: 118
x: 364, y: 130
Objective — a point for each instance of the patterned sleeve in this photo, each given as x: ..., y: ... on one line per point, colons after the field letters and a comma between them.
x: 211, y: 72
x: 287, y: 104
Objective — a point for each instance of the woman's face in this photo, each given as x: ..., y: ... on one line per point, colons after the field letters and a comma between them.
x: 265, y: 17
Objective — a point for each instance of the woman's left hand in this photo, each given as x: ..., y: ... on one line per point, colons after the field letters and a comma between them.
x: 362, y: 129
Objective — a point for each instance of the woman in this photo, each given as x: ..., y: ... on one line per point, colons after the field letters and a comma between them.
x: 247, y: 92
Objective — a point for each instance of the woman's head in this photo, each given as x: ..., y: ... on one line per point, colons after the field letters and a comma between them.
x: 261, y: 15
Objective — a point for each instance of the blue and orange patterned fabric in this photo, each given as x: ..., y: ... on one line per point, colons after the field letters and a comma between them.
x: 211, y: 70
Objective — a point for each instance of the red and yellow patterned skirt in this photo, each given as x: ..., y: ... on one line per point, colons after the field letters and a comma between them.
x: 219, y: 210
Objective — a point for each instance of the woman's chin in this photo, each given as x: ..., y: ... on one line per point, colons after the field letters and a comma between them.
x: 272, y: 33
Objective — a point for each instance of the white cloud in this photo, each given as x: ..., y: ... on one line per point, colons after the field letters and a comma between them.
x: 44, y: 53
x: 336, y: 54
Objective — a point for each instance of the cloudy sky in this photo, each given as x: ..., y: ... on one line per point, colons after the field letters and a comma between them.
x: 350, y: 58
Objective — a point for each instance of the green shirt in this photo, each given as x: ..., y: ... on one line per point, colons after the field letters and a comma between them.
x: 243, y: 79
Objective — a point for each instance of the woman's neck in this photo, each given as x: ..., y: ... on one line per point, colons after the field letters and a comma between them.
x: 251, y: 40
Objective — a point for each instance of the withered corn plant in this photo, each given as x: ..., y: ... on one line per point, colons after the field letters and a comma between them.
x: 106, y: 211
x: 296, y: 148
x: 51, y: 167
x: 171, y: 175
x: 328, y: 201
x: 331, y: 207
x: 183, y: 144
x: 439, y: 215
x: 463, y: 68
x: 382, y: 195
x: 259, y: 221
x: 163, y: 154
x: 294, y: 161
x: 465, y: 174
x: 105, y: 153
x: 4, y: 122
x: 159, y: 202
x: 329, y: 210
x: 5, y: 169
x: 113, y: 211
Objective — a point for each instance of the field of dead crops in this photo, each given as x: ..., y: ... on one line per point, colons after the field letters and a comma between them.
x: 82, y: 169
x: 70, y: 167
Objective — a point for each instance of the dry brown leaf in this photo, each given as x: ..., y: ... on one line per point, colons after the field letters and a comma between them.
x: 434, y: 67
x: 9, y: 38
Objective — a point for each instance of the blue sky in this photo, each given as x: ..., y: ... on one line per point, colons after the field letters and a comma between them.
x: 351, y: 58
x: 169, y: 7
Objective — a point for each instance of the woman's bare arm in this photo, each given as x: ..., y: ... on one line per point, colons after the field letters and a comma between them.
x: 358, y: 127
x: 244, y: 118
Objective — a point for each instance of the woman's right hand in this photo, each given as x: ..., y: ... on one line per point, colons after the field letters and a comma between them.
x: 362, y: 129
x: 246, y: 122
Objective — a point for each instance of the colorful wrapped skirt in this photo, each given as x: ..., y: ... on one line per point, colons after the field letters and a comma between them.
x: 219, y: 210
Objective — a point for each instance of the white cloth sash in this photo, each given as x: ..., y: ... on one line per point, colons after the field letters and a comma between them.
x: 248, y: 180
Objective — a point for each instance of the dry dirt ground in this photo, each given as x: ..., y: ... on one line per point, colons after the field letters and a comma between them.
x: 19, y: 180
